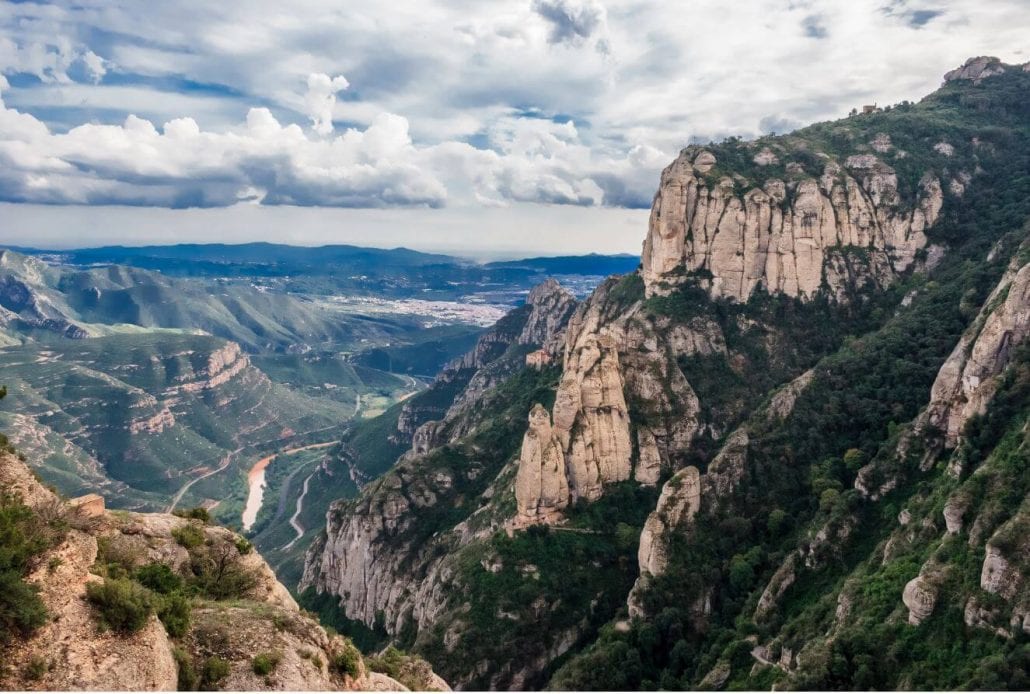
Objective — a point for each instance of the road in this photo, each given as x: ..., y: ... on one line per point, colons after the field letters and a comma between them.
x: 256, y: 481
x: 178, y: 497
x: 294, y: 523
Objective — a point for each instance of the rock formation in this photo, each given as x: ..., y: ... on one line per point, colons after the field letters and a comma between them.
x: 920, y: 597
x: 541, y: 488
x: 78, y: 656
x: 975, y: 70
x: 779, y: 236
x: 968, y: 379
x: 591, y: 417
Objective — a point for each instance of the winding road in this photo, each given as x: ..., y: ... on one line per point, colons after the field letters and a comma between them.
x: 294, y: 523
x: 256, y: 483
x: 178, y: 496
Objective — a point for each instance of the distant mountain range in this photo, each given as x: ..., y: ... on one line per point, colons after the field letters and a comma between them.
x: 349, y: 265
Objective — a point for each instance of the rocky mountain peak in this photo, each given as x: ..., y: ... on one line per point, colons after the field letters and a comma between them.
x: 975, y: 69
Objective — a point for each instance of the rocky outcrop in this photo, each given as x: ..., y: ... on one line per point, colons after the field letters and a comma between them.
x: 975, y: 70
x: 779, y: 236
x: 680, y: 500
x: 432, y: 419
x: 551, y: 307
x: 220, y: 367
x: 780, y: 582
x: 79, y: 656
x: 541, y: 488
x: 920, y: 597
x: 591, y: 417
x: 968, y: 379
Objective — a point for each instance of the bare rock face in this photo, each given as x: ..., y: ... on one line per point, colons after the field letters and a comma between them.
x: 541, y: 488
x: 968, y: 379
x: 997, y: 575
x: 679, y: 501
x: 551, y: 307
x: 591, y: 417
x: 954, y: 510
x: 975, y: 69
x: 783, y: 579
x: 778, y: 237
x: 920, y: 597
x: 782, y: 403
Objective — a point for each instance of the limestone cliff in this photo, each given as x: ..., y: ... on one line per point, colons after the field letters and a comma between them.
x: 784, y: 235
x: 969, y: 378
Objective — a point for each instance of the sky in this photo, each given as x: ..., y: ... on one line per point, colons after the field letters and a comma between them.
x: 486, y: 129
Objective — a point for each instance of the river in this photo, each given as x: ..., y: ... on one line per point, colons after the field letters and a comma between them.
x: 256, y: 482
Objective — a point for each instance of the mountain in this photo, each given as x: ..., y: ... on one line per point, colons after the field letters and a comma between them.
x: 790, y: 451
x: 37, y: 297
x: 95, y: 599
x: 592, y: 264
x: 397, y: 272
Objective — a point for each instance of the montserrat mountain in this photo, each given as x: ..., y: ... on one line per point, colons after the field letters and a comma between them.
x: 790, y: 451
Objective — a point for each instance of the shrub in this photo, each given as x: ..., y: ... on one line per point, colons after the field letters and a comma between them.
x: 219, y: 573
x: 36, y: 667
x: 187, y: 674
x: 25, y: 534
x: 189, y: 536
x: 214, y: 671
x: 21, y: 610
x: 121, y: 604
x: 174, y: 612
x: 347, y: 660
x: 243, y: 545
x: 264, y: 663
x: 159, y: 578
x: 117, y: 557
x: 197, y: 513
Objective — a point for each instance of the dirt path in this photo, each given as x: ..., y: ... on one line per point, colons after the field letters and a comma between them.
x: 178, y: 496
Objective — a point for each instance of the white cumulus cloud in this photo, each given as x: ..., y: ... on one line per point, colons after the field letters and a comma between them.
x: 321, y: 98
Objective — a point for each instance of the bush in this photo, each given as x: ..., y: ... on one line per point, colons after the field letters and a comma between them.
x: 121, y: 604
x: 243, y: 545
x: 25, y: 535
x: 187, y: 674
x: 117, y: 557
x: 197, y: 513
x: 189, y: 535
x: 219, y: 573
x: 174, y: 612
x: 214, y: 671
x: 36, y: 667
x: 159, y: 578
x: 347, y: 660
x: 21, y: 610
x: 264, y: 663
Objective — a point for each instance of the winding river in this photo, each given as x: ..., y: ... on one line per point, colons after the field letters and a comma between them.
x: 256, y: 482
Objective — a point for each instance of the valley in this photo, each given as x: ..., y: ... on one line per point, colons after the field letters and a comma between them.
x: 173, y: 382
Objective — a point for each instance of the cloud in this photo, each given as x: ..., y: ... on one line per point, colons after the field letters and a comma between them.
x: 778, y: 124
x: 456, y: 105
x: 321, y: 98
x: 95, y: 65
x: 264, y: 161
x: 571, y: 21
x: 814, y: 28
